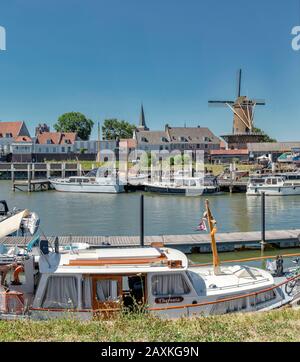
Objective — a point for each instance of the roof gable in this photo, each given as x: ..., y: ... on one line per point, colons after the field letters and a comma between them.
x: 13, y: 129
x: 56, y: 138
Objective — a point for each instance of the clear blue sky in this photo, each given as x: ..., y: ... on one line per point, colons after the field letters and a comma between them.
x: 103, y: 57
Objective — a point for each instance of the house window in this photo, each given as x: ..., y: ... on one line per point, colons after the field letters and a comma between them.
x: 49, y: 142
x: 62, y: 149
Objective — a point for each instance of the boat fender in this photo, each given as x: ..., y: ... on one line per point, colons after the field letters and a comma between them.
x: 19, y: 269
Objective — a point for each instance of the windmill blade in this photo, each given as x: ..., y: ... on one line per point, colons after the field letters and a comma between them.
x: 219, y: 103
x: 239, y: 83
x: 259, y: 102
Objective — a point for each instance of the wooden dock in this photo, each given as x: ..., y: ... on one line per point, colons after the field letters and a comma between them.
x: 31, y: 185
x: 187, y: 243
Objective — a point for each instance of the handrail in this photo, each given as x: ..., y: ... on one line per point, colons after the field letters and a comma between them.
x: 246, y: 259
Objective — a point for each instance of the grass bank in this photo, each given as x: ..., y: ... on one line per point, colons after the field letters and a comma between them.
x: 280, y: 325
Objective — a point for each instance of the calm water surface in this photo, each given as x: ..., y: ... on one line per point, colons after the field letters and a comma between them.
x: 105, y: 214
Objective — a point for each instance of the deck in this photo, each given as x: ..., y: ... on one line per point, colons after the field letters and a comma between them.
x: 186, y: 243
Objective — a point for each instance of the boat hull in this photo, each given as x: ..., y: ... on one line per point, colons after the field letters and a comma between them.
x: 274, y: 191
x: 86, y: 188
x: 180, y: 190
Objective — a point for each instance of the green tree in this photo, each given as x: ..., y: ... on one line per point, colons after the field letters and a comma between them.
x: 75, y: 122
x: 266, y: 137
x: 113, y: 129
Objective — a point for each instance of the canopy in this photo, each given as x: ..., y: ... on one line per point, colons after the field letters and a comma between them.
x: 12, y: 224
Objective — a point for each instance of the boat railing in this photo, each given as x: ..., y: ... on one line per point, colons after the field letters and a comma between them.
x: 240, y: 285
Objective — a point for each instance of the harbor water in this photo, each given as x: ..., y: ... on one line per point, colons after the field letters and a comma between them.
x: 118, y: 214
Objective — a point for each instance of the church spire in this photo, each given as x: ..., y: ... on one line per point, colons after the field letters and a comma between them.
x: 142, y: 122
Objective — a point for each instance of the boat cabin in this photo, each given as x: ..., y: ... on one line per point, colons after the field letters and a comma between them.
x: 267, y: 181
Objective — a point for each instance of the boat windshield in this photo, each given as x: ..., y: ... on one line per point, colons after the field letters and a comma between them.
x: 197, y: 282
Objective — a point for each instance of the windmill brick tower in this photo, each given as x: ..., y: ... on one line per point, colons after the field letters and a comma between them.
x: 243, y: 119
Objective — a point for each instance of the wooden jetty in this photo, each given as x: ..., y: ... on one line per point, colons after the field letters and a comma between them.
x: 199, y: 243
x: 31, y: 185
x: 34, y: 176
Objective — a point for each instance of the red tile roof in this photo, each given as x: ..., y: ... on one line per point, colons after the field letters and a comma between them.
x: 129, y: 142
x: 12, y: 128
x: 23, y: 139
x: 57, y: 138
x: 229, y: 152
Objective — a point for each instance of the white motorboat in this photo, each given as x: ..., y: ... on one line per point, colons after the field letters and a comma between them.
x: 272, y: 186
x: 17, y: 221
x: 96, y: 181
x: 189, y: 186
x: 100, y: 282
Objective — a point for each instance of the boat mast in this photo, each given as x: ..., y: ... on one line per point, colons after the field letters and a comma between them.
x: 213, y: 229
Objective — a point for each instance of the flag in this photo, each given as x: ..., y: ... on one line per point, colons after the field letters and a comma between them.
x: 202, y: 225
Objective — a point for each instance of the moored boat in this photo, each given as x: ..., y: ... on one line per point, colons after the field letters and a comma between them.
x: 272, y: 186
x: 96, y: 181
x: 90, y: 283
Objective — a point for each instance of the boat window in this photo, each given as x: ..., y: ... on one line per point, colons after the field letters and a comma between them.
x: 61, y: 293
x: 274, y: 181
x: 262, y: 298
x: 230, y: 306
x: 169, y: 284
x: 106, y: 290
x: 197, y: 282
x: 87, y: 293
x: 269, y: 181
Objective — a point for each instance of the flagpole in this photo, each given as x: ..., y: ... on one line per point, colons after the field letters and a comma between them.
x: 213, y: 230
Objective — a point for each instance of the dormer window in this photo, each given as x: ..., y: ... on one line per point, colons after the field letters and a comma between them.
x: 49, y: 141
x: 8, y: 135
x: 1, y: 135
x: 144, y: 139
x: 183, y: 139
x: 164, y: 139
x: 207, y: 139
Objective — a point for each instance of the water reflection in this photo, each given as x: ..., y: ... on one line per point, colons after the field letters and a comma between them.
x: 100, y: 214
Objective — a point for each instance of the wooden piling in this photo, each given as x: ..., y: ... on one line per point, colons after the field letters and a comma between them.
x: 12, y: 170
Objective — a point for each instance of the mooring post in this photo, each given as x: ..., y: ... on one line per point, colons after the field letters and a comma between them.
x: 29, y: 177
x: 263, y: 221
x: 12, y: 171
x: 63, y: 170
x: 48, y: 172
x: 33, y: 170
x: 142, y: 220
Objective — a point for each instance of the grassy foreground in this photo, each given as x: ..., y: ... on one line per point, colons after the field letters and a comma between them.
x: 280, y: 325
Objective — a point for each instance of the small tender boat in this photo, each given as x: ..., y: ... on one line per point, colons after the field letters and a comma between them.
x: 272, y: 186
x: 17, y: 221
x: 155, y: 279
x: 96, y: 181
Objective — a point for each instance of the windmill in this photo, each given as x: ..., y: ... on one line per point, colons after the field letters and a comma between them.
x: 243, y: 117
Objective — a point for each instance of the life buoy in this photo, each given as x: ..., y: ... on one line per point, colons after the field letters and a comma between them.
x: 19, y: 269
